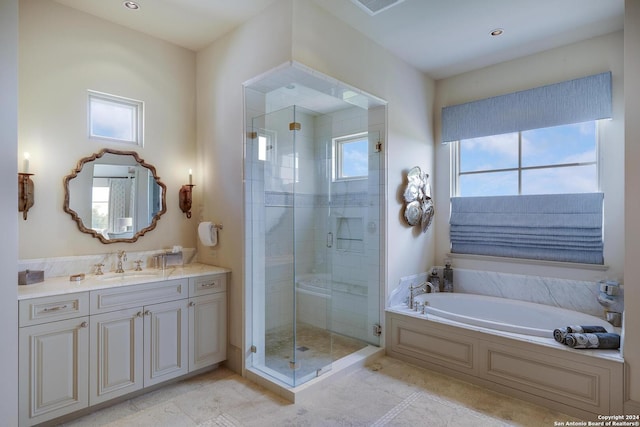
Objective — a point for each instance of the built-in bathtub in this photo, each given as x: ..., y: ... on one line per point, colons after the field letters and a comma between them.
x: 501, y: 314
x: 508, y: 346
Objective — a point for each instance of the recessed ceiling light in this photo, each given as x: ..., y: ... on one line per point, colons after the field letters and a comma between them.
x: 497, y: 32
x: 131, y: 5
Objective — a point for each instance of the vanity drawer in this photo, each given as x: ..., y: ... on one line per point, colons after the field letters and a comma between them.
x: 106, y: 300
x: 48, y: 309
x: 204, y: 285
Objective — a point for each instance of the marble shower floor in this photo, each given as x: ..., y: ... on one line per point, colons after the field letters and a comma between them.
x: 387, y: 392
x: 315, y: 349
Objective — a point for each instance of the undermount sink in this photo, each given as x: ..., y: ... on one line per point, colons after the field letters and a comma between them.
x: 128, y: 275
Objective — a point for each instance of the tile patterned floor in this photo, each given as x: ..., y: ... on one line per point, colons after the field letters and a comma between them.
x: 388, y: 392
x: 315, y: 348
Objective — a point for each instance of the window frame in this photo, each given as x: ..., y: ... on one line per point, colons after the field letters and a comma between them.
x: 137, y: 121
x: 455, y: 164
x: 337, y: 156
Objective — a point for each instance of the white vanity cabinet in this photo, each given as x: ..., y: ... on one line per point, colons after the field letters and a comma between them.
x: 85, y: 348
x: 166, y: 341
x: 207, y: 320
x: 116, y: 353
x: 53, y: 368
x: 136, y: 344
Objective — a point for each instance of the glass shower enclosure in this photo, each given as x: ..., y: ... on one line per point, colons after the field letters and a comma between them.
x: 314, y: 240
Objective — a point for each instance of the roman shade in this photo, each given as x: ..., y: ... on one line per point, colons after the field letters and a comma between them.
x: 556, y: 227
x: 572, y: 101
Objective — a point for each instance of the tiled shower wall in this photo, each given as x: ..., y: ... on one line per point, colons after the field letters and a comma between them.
x: 316, y: 214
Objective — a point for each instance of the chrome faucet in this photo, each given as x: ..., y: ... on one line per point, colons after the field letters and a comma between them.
x: 420, y: 289
x: 609, y: 289
x: 122, y: 256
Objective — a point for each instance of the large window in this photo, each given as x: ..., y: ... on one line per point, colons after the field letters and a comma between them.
x: 525, y: 172
x: 351, y: 157
x: 554, y: 160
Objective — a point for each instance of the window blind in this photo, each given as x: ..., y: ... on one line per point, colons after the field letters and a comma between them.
x: 572, y: 101
x: 556, y: 227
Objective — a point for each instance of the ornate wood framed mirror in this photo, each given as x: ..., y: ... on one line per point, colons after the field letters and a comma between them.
x: 115, y: 196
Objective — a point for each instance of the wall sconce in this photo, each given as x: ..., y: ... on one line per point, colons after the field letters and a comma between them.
x: 186, y: 196
x: 25, y: 189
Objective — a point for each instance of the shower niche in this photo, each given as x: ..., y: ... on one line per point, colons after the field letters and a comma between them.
x: 350, y: 234
x: 314, y: 223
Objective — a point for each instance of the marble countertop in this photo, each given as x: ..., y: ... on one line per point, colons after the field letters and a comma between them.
x: 62, y: 285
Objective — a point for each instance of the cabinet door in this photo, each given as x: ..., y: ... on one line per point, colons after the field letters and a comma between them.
x: 207, y: 330
x: 166, y: 340
x: 53, y: 369
x: 116, y: 354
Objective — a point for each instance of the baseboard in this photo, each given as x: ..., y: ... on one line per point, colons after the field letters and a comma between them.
x: 234, y: 359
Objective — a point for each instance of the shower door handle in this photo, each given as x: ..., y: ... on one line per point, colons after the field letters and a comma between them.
x: 329, y: 240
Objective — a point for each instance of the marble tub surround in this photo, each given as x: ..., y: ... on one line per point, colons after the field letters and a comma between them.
x: 576, y: 295
x: 66, y: 266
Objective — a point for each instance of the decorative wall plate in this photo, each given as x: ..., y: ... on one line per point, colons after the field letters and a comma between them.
x: 427, y: 214
x: 413, y: 213
x: 417, y: 196
x: 411, y: 192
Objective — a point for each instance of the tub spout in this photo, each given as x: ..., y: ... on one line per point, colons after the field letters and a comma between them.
x: 608, y: 291
x: 422, y: 288
x: 429, y: 285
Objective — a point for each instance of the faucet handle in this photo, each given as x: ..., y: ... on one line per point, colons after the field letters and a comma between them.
x: 99, y: 269
x: 137, y: 263
x: 609, y: 287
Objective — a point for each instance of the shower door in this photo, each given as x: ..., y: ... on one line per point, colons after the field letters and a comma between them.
x: 290, y: 216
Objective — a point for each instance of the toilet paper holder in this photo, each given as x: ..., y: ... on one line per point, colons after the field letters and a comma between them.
x: 208, y: 233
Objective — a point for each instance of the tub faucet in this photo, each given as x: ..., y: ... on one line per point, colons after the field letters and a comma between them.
x: 420, y: 289
x: 122, y: 256
x: 609, y: 289
x: 430, y: 285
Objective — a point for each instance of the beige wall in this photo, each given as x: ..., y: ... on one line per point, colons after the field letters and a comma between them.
x: 64, y: 52
x: 592, y: 56
x: 256, y: 47
x: 9, y: 211
x: 300, y: 31
x: 632, y: 201
x: 328, y: 45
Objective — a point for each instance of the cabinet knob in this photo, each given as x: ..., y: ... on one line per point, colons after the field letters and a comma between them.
x: 192, y: 304
x: 139, y: 314
x: 147, y: 313
x: 84, y: 324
